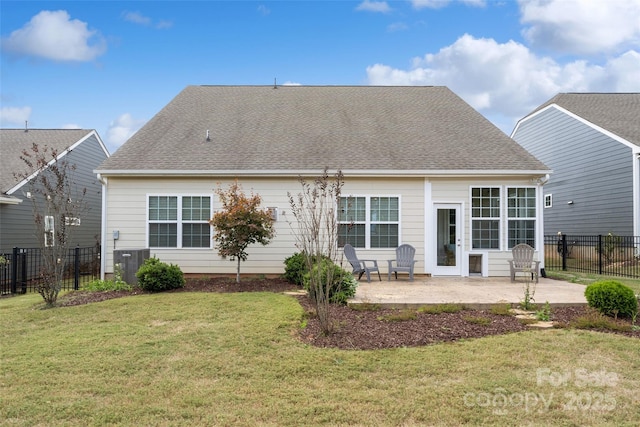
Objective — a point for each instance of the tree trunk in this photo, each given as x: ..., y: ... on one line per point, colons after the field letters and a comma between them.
x: 238, y: 272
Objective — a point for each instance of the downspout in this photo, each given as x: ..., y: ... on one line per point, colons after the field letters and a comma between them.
x: 636, y: 195
x: 103, y: 231
x: 540, y: 229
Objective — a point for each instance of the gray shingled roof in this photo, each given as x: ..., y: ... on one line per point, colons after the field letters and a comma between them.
x: 14, y: 141
x: 305, y: 128
x: 619, y: 113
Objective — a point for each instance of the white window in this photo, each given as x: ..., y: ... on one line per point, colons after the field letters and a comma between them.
x: 49, y: 231
x: 521, y: 216
x: 72, y: 221
x: 179, y: 221
x: 485, y: 217
x: 548, y: 200
x: 369, y: 221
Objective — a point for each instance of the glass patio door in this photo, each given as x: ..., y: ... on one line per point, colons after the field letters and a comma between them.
x: 448, y: 250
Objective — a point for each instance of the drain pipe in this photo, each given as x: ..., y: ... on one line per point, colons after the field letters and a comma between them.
x: 103, y: 228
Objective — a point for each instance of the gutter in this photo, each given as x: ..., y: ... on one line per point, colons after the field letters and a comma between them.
x: 462, y: 173
x: 9, y: 200
x: 103, y: 227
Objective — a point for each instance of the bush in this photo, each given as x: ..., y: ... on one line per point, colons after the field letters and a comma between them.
x: 157, y: 276
x: 344, y: 284
x: 296, y: 267
x: 106, y: 285
x: 612, y: 298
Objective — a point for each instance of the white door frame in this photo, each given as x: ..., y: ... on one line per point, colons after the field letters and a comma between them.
x: 458, y: 269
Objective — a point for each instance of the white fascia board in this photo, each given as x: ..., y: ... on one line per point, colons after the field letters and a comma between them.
x: 296, y: 173
x: 9, y: 200
x: 581, y: 120
x: 59, y: 157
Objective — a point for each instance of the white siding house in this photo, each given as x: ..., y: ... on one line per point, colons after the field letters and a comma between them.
x: 420, y: 164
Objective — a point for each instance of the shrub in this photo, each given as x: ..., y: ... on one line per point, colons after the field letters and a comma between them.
x: 157, y: 276
x: 296, y: 267
x: 612, y: 298
x: 106, y: 285
x: 344, y: 284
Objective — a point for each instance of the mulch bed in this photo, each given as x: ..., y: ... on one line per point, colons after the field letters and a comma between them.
x: 356, y: 329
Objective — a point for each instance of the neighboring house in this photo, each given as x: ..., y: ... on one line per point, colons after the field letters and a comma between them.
x: 592, y: 143
x: 420, y: 165
x: 80, y: 147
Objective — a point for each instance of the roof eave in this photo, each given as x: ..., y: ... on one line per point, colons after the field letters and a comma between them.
x: 314, y: 172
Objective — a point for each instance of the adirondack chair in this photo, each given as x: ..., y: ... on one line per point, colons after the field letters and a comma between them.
x: 523, y: 261
x: 360, y: 265
x: 404, y: 261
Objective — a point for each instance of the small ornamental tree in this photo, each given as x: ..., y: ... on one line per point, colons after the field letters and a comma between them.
x: 57, y: 203
x: 239, y: 224
x: 316, y: 230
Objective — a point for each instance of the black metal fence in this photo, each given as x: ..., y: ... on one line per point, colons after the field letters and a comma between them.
x: 608, y: 255
x: 21, y: 271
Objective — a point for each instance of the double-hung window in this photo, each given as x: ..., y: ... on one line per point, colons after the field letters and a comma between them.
x: 179, y: 221
x: 521, y: 216
x: 485, y: 217
x: 369, y: 221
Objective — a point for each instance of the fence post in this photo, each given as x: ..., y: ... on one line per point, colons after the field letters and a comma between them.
x: 14, y: 270
x: 599, y: 253
x: 76, y: 268
x: 564, y: 252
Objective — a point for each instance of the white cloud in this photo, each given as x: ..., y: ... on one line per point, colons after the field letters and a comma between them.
x: 581, y: 26
x: 140, y: 19
x: 71, y: 126
x: 374, y: 6
x: 264, y: 10
x: 121, y: 129
x: 53, y: 35
x: 14, y: 115
x: 397, y: 26
x: 431, y: 4
x: 507, y: 80
x: 136, y: 18
x: 290, y: 83
x: 439, y: 4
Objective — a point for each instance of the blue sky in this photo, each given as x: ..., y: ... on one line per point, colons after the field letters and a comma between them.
x: 111, y: 65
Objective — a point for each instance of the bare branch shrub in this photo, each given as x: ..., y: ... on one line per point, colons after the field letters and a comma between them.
x: 58, y: 203
x: 316, y: 230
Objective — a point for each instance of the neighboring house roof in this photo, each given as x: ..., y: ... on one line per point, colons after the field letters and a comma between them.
x: 618, y: 113
x: 297, y: 129
x: 14, y: 141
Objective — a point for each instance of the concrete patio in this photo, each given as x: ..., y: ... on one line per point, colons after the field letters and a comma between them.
x: 473, y: 292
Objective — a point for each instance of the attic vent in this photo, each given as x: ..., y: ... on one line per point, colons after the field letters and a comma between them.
x: 208, y: 138
x: 274, y: 213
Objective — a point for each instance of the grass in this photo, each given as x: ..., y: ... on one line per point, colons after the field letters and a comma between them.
x: 501, y: 309
x: 478, y: 320
x: 589, y: 278
x: 212, y: 359
x: 400, y: 316
x: 441, y: 308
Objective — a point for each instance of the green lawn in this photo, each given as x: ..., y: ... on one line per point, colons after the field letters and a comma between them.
x: 588, y: 278
x: 234, y: 359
